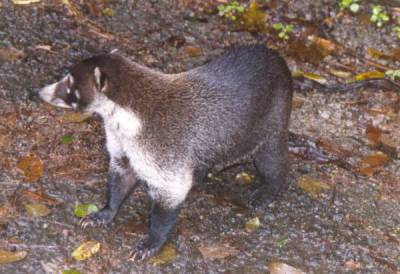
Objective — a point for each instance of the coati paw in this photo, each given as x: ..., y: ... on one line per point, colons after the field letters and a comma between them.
x: 97, y: 219
x: 262, y: 197
x: 146, y: 248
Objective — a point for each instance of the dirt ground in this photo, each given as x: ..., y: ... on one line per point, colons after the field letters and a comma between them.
x: 330, y: 220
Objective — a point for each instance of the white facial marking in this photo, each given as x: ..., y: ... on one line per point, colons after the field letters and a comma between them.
x: 70, y: 79
x: 68, y: 91
x: 59, y: 103
x: 97, y: 75
x: 47, y: 93
x: 77, y: 94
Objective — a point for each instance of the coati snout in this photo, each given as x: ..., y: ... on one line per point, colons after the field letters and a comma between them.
x: 167, y: 129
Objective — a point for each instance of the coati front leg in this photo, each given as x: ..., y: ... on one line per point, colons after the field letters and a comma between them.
x: 120, y: 183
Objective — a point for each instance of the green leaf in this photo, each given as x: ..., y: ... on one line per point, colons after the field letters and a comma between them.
x: 354, y: 7
x: 281, y: 243
x: 81, y: 210
x: 71, y: 271
x: 277, y: 26
x: 68, y: 139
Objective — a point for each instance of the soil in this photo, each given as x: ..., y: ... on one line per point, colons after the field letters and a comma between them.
x: 350, y: 225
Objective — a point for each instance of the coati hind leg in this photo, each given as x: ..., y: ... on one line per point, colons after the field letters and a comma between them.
x: 120, y: 183
x: 271, y: 162
x: 165, y: 208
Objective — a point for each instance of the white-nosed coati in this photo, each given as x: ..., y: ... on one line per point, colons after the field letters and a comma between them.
x: 165, y: 129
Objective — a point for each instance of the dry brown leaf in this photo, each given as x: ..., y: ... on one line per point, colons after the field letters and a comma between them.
x: 333, y: 148
x: 75, y: 117
x: 370, y: 75
x: 325, y: 47
x: 43, y: 47
x: 298, y: 101
x: 39, y: 196
x: 372, y: 163
x: 37, y: 210
x: 352, y: 265
x: 166, y: 255
x: 86, y: 250
x: 11, y: 54
x: 6, y: 210
x: 373, y: 135
x: 25, y: 2
x: 340, y: 73
x: 32, y: 167
x: 252, y: 224
x: 193, y: 51
x: 282, y: 268
x: 218, y: 251
x: 244, y: 178
x: 312, y: 76
x: 311, y: 185
x: 253, y: 19
x: 7, y: 257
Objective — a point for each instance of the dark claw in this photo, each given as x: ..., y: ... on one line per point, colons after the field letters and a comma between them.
x: 262, y: 197
x: 145, y: 249
x: 98, y: 219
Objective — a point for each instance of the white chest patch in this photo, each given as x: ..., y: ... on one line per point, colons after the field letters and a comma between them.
x: 170, y: 183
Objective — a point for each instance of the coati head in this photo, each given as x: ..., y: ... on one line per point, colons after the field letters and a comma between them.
x: 78, y: 89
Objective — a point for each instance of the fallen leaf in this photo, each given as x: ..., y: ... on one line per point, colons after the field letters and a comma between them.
x: 282, y: 268
x: 218, y: 251
x: 25, y: 2
x: 43, y: 47
x: 305, y: 52
x: 193, y: 51
x: 372, y: 163
x: 352, y: 265
x: 323, y: 46
x: 311, y: 76
x: 393, y: 55
x: 11, y: 54
x: 109, y: 12
x: 252, y: 224
x: 71, y: 271
x: 7, y: 257
x: 39, y: 196
x: 253, y: 19
x: 373, y: 135
x: 340, y: 73
x: 68, y: 139
x: 298, y: 101
x: 37, y: 210
x: 6, y: 210
x: 333, y: 148
x: 370, y: 75
x: 166, y: 255
x: 81, y: 210
x: 312, y: 186
x: 282, y: 242
x: 244, y: 178
x: 76, y: 117
x: 86, y: 250
x: 32, y: 167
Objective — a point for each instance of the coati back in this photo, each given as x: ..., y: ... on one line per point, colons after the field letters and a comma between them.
x: 165, y: 129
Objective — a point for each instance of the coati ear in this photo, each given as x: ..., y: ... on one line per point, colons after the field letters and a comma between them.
x: 100, y: 78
